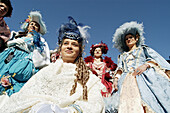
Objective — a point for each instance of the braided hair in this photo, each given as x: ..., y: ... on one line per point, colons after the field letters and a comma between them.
x: 82, y: 75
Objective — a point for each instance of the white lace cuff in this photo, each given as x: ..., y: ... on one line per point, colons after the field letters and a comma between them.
x: 151, y: 63
x: 117, y: 76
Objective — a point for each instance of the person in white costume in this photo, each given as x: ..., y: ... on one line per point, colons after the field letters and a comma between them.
x: 66, y: 86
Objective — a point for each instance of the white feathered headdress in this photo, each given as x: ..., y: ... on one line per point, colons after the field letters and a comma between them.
x: 35, y: 16
x: 129, y: 27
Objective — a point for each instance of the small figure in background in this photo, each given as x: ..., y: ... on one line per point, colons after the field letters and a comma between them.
x: 102, y: 67
x: 54, y: 55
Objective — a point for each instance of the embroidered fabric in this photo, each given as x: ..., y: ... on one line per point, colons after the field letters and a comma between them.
x: 98, y: 67
x: 130, y: 100
x: 130, y: 95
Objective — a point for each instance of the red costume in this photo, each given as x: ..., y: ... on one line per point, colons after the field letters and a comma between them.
x: 102, y: 69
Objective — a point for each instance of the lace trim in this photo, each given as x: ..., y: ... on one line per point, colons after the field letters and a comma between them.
x: 130, y: 100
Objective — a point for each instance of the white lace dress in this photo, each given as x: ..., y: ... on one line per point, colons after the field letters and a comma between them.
x: 52, y: 85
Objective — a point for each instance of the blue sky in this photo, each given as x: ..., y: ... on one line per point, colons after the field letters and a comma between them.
x: 103, y: 16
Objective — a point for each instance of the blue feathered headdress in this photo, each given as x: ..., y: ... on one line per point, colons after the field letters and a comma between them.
x: 74, y: 31
x: 129, y: 27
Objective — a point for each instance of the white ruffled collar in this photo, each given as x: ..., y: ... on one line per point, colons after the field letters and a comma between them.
x: 68, y: 68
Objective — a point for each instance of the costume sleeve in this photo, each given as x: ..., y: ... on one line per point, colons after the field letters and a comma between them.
x: 15, y: 87
x: 41, y: 59
x: 155, y: 57
x: 95, y: 103
x: 120, y: 66
x: 24, y: 43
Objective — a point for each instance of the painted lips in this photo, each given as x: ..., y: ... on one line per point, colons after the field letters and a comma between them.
x: 69, y: 51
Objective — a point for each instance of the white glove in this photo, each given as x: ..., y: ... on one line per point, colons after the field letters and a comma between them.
x: 56, y: 109
x: 18, y: 41
x: 48, y: 108
x: 13, y: 34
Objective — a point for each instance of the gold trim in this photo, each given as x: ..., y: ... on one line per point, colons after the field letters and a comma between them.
x: 14, y: 75
x: 147, y: 108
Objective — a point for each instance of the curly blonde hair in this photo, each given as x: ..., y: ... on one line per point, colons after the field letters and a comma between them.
x: 82, y: 75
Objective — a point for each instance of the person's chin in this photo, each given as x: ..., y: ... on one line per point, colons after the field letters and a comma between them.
x: 129, y: 44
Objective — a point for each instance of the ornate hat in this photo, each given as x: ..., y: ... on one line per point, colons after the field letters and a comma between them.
x: 74, y: 31
x: 35, y: 16
x: 103, y: 45
x: 128, y: 28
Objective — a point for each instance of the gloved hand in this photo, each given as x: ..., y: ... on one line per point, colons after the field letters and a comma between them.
x: 18, y: 41
x: 13, y: 34
x: 115, y: 83
x: 56, y: 109
x: 140, y: 69
x: 48, y: 108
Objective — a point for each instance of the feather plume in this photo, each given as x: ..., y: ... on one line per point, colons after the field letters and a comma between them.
x: 74, y: 31
x: 83, y: 31
x: 72, y: 21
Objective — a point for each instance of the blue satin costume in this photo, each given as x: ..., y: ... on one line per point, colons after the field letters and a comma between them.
x: 20, y: 69
x: 154, y: 88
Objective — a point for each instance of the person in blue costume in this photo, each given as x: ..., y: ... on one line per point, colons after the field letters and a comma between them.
x: 19, y: 61
x: 141, y: 79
